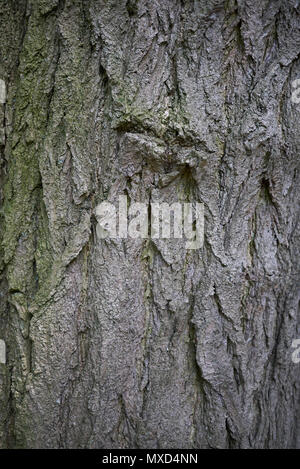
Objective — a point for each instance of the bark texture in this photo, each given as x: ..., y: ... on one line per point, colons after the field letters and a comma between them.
x: 141, y: 343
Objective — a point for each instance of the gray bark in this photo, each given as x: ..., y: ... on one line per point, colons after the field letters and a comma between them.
x: 141, y: 343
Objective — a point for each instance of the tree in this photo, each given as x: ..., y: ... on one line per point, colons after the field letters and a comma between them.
x: 126, y: 343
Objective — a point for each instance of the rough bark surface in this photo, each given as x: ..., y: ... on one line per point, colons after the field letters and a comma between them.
x: 141, y: 343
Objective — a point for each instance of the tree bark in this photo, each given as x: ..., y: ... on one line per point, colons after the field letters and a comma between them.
x: 134, y: 343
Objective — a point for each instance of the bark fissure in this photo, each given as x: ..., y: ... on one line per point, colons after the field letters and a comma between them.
x: 132, y: 342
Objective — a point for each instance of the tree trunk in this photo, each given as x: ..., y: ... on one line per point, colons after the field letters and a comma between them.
x: 140, y: 343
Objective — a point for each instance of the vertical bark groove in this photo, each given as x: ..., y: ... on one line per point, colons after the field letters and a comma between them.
x: 124, y: 343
